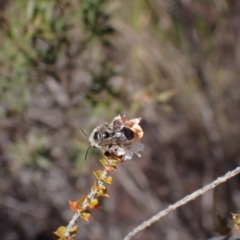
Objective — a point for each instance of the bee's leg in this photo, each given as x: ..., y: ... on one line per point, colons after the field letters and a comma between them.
x: 121, y: 145
x: 125, y: 146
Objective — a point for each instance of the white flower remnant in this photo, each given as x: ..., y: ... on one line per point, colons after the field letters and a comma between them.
x: 127, y: 152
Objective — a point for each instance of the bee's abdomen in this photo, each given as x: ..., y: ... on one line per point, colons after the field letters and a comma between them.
x: 128, y: 133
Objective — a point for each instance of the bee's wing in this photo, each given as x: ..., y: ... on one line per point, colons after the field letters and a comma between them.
x: 109, y: 141
x: 115, y: 141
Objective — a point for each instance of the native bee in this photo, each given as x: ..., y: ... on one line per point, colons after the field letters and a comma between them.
x: 111, y: 136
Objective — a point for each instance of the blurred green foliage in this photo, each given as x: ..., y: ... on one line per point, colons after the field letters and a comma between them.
x: 95, y: 18
x: 42, y: 39
x: 32, y: 151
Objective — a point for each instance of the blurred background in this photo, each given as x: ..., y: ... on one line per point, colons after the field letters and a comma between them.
x: 72, y: 64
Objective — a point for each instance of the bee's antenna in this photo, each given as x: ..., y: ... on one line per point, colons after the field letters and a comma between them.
x: 87, y: 153
x: 88, y: 147
x: 84, y: 133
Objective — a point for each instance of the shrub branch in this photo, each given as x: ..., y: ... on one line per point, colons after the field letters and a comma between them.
x: 182, y: 202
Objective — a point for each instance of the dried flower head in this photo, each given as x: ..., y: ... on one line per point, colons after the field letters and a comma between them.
x: 119, y: 137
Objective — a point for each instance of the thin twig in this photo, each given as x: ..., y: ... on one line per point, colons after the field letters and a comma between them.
x: 76, y: 216
x: 182, y: 202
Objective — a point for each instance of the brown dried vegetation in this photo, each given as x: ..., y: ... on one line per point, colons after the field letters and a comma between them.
x: 71, y: 64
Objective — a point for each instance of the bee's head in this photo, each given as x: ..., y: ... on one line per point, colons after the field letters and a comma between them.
x: 95, y: 137
x: 101, y: 135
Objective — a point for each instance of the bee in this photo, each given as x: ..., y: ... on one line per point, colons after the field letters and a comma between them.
x: 110, y: 136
